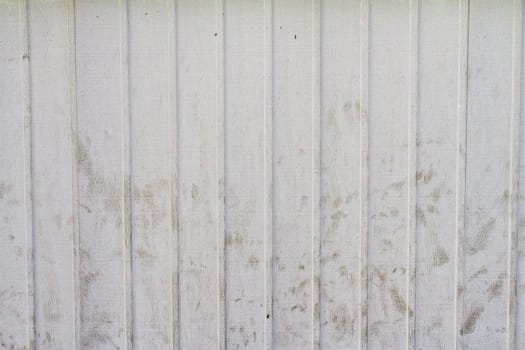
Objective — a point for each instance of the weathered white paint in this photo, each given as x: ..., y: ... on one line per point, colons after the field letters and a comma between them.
x: 262, y: 174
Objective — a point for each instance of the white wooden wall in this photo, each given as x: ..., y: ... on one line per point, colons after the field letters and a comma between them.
x: 288, y: 174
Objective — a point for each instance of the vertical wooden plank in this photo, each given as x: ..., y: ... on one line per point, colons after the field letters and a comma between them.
x: 341, y: 173
x: 364, y: 58
x: 199, y: 172
x: 293, y: 181
x: 150, y: 166
x: 246, y: 197
x: 220, y: 159
x: 514, y: 173
x: 436, y: 169
x: 484, y: 322
x: 16, y: 311
x: 71, y: 26
x: 174, y: 171
x: 413, y: 63
x: 461, y: 146
x: 520, y: 241
x: 103, y: 173
x: 316, y: 174
x: 29, y: 223
x: 53, y: 200
x: 268, y: 171
x: 389, y: 183
x: 126, y: 210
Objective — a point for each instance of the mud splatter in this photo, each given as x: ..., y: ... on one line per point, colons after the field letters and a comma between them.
x: 4, y: 189
x: 470, y: 322
x: 439, y: 256
x: 481, y: 240
x: 496, y: 287
x: 399, y: 303
x: 341, y: 321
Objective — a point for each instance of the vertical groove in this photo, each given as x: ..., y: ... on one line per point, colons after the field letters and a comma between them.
x: 412, y: 167
x: 461, y: 142
x: 177, y: 180
x: 514, y: 172
x: 173, y: 169
x: 316, y: 172
x: 268, y: 172
x: 363, y: 174
x: 70, y: 15
x: 127, y: 242
x: 28, y: 174
x: 220, y: 166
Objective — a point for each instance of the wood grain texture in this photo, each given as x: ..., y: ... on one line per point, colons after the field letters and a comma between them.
x: 488, y: 163
x: 436, y: 174
x: 16, y: 283
x: 389, y: 178
x: 288, y: 174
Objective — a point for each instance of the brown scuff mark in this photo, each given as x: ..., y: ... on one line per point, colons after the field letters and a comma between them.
x: 235, y: 240
x: 8, y: 342
x: 460, y: 290
x: 362, y: 112
x: 253, y: 261
x: 4, y: 189
x: 480, y: 243
x: 299, y: 287
x: 341, y: 320
x: 345, y: 274
x: 338, y: 215
x: 86, y: 280
x: 146, y: 258
x: 394, y: 212
x: 95, y: 336
x: 152, y: 215
x: 352, y: 116
x: 351, y: 196
x: 330, y: 258
x: 496, y: 287
x: 280, y: 265
x: 399, y: 303
x: 425, y: 176
x: 330, y: 118
x: 482, y: 270
x: 398, y: 186
x: 347, y: 107
x: 439, y: 256
x: 420, y: 215
x: 436, y: 194
x: 304, y: 202
x: 376, y: 328
x: 299, y: 307
x: 99, y: 185
x: 194, y: 191
x: 470, y: 322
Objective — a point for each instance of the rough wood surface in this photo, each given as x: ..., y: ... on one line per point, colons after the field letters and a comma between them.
x: 262, y: 174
